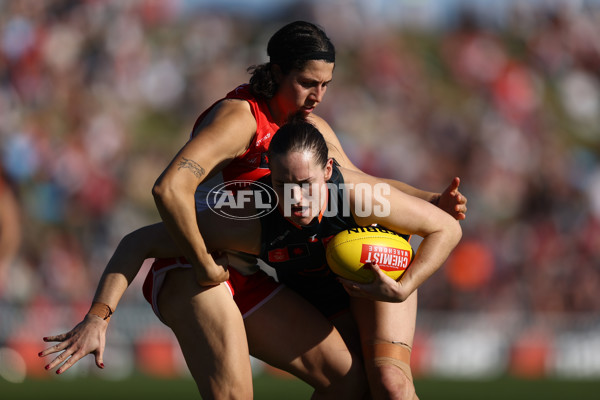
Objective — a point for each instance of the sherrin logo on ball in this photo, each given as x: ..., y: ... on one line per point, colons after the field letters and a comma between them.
x: 350, y: 250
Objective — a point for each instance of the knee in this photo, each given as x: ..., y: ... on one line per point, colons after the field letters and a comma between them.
x: 355, y: 380
x: 388, y: 366
x: 348, y: 382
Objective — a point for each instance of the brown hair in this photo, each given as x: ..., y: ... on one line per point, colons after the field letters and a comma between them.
x: 291, y: 47
x: 299, y: 135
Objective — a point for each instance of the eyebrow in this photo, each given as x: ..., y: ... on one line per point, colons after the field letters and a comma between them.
x: 323, y: 83
x: 312, y: 80
x: 306, y: 180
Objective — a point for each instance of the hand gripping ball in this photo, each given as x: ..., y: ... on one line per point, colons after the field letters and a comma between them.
x: 349, y: 250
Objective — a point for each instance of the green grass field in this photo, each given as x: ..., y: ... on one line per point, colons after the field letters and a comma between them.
x: 268, y: 387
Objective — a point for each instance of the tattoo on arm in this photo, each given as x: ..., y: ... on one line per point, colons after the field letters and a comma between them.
x: 191, y: 164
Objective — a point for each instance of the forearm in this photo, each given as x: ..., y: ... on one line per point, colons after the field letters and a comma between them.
x: 450, y: 200
x: 122, y: 268
x: 336, y: 151
x: 410, y: 190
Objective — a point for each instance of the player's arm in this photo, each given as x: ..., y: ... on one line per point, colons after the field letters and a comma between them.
x: 450, y: 200
x: 409, y: 215
x: 153, y: 241
x: 89, y: 335
x: 223, y: 135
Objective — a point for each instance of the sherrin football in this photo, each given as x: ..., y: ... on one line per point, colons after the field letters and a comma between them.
x: 349, y: 250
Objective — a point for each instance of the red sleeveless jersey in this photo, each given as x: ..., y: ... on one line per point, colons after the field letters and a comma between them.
x: 252, y: 165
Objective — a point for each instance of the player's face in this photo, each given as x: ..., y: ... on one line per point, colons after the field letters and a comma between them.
x: 300, y: 184
x: 302, y: 91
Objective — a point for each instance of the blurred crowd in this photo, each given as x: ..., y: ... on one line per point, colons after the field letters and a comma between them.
x: 97, y: 96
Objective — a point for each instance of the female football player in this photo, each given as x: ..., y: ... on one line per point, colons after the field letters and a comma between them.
x: 230, y: 141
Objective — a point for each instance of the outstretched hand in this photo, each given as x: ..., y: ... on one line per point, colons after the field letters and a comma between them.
x: 382, y: 288
x: 452, y: 201
x: 89, y: 336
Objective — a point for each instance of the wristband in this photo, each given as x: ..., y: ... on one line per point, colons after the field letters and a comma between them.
x: 101, y: 310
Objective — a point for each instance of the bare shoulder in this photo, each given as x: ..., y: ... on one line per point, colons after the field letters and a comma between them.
x: 229, y: 112
x: 320, y: 123
x: 333, y: 143
x: 227, y: 130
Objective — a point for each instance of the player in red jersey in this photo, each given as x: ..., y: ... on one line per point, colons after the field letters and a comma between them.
x: 196, y: 303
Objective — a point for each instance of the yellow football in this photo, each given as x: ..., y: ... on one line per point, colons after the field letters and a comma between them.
x: 349, y: 250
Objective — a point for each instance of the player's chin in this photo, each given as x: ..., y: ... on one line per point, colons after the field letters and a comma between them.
x: 302, y: 221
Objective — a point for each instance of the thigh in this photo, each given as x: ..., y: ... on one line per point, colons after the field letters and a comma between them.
x: 346, y: 325
x: 289, y: 333
x: 382, y: 321
x: 210, y: 331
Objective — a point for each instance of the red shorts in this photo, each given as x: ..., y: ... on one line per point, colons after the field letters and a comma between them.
x: 249, y: 292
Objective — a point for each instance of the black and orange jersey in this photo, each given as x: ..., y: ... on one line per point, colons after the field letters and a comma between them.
x: 298, y: 253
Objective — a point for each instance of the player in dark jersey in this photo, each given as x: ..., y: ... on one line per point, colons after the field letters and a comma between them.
x: 294, y: 244
x: 196, y: 303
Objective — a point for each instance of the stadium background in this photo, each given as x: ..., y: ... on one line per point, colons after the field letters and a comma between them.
x: 97, y: 96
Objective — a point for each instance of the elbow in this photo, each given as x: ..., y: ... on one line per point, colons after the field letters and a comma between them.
x: 159, y: 190
x: 170, y: 190
x: 163, y: 192
x: 456, y: 232
x: 450, y: 233
x: 402, y: 296
x: 458, y: 229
